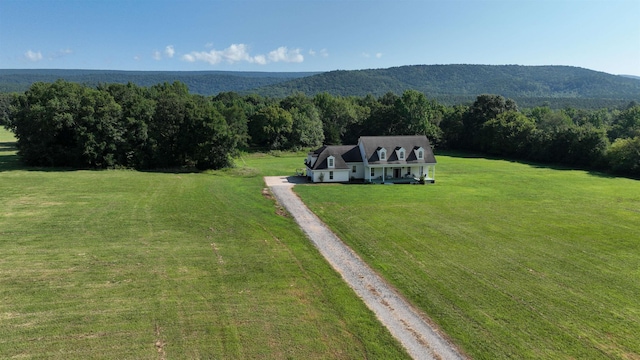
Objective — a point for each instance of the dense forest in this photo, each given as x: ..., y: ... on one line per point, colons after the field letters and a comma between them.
x: 557, y: 87
x: 463, y: 81
x: 165, y: 126
x: 199, y: 82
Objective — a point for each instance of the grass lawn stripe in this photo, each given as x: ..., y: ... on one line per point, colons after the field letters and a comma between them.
x: 511, y: 260
x: 139, y: 265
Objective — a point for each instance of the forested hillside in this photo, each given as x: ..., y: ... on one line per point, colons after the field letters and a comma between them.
x: 555, y: 86
x: 198, y: 82
x: 453, y: 84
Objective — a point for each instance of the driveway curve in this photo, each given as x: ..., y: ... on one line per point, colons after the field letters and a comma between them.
x: 407, y: 325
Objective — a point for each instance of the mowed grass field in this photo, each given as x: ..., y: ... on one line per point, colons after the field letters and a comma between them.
x: 132, y: 265
x: 511, y: 260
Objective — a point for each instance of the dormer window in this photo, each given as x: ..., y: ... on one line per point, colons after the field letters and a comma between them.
x: 382, y: 154
x: 401, y: 154
x: 331, y: 162
x: 420, y: 153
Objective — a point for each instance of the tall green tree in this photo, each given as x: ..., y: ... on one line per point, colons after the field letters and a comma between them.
x: 137, y: 113
x: 624, y: 156
x: 626, y: 124
x: 379, y: 115
x: 169, y: 128
x: 452, y: 127
x: 416, y: 115
x: 485, y: 108
x: 213, y: 140
x: 5, y: 106
x: 337, y: 114
x: 306, y: 130
x: 270, y: 127
x: 508, y: 134
x: 236, y: 112
x: 66, y: 124
x: 574, y: 146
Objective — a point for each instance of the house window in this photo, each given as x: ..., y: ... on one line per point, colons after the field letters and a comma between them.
x: 420, y: 154
x: 330, y: 161
x: 382, y: 153
x: 330, y: 175
x: 373, y: 172
x: 354, y: 169
x: 401, y: 154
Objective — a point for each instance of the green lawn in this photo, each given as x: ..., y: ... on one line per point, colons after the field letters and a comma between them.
x: 510, y: 260
x: 140, y: 265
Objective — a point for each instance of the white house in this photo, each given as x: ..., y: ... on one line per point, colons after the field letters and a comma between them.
x: 378, y: 159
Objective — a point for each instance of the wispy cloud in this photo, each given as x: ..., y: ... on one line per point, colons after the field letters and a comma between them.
x: 60, y: 53
x: 323, y: 53
x: 285, y: 55
x: 240, y: 53
x: 376, y: 55
x: 33, y: 55
x: 169, y: 51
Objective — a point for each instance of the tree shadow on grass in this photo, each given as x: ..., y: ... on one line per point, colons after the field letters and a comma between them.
x: 534, y: 164
x: 8, y: 158
x: 10, y: 161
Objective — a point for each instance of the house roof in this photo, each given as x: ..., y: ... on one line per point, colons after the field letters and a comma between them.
x: 342, y: 153
x: 372, y: 144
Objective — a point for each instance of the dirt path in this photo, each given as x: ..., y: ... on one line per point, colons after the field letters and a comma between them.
x: 421, y: 340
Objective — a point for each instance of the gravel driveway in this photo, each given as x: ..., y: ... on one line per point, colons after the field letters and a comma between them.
x: 421, y: 340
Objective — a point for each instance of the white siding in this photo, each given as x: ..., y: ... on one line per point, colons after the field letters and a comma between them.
x: 359, y: 174
x: 338, y: 176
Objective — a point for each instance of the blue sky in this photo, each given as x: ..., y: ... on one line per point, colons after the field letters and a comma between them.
x: 317, y: 35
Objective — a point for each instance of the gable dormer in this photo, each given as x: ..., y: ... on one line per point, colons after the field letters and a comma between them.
x: 331, y: 162
x: 382, y: 154
x: 419, y: 153
x: 401, y: 153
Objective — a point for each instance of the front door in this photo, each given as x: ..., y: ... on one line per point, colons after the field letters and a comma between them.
x: 397, y: 173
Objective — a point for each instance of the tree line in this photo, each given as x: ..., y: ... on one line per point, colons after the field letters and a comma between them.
x: 164, y: 126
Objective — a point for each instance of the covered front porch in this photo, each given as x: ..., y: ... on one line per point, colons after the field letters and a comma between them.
x: 397, y: 174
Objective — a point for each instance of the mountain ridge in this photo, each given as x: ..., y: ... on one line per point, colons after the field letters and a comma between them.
x: 551, y: 81
x: 455, y: 82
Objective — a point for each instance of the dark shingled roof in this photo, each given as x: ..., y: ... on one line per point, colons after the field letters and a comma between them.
x: 372, y: 144
x: 342, y: 153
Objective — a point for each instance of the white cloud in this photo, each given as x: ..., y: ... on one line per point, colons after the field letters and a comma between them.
x: 367, y: 55
x: 33, y: 55
x: 232, y: 54
x: 169, y: 51
x: 286, y: 55
x: 240, y: 53
x: 136, y: 58
x: 323, y: 53
x: 60, y: 53
x: 260, y: 59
